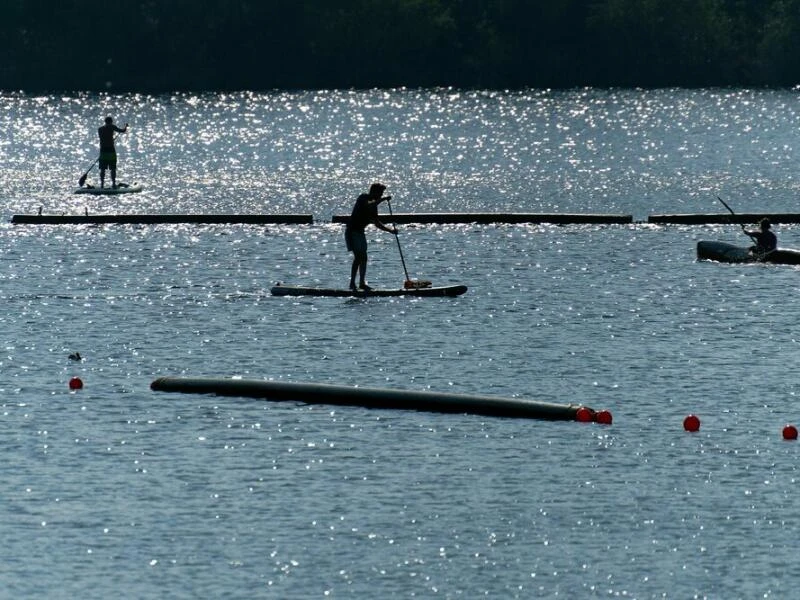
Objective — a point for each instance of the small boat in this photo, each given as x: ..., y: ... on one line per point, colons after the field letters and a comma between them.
x: 299, y: 290
x: 121, y: 188
x: 730, y: 253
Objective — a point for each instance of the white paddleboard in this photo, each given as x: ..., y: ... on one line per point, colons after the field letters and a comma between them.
x: 123, y: 188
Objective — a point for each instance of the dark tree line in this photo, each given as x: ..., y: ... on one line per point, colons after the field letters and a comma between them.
x: 198, y: 45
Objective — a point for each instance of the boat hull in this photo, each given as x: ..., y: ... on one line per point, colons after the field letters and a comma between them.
x: 299, y: 290
x: 730, y: 253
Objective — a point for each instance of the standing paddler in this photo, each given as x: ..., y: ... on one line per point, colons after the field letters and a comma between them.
x: 108, y: 152
x: 365, y: 211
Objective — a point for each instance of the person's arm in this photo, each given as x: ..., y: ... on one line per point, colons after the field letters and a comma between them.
x: 377, y: 201
x: 753, y: 235
x: 376, y: 220
x: 387, y: 229
x: 123, y: 130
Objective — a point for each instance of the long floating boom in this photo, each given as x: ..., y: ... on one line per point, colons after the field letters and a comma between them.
x: 484, y: 218
x: 403, y: 218
x: 152, y: 219
x: 723, y: 218
x: 318, y: 393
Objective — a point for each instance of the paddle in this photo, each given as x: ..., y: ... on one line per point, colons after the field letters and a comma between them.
x: 408, y: 284
x: 725, y: 204
x: 82, y: 180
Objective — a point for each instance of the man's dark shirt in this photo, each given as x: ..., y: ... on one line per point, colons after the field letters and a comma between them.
x: 364, y: 213
x: 765, y: 240
x: 106, y: 133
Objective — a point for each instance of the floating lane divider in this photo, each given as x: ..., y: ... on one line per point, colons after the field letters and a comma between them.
x: 483, y: 218
x: 318, y: 393
x: 152, y: 219
x: 723, y: 218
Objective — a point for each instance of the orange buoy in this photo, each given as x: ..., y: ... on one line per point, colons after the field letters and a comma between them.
x: 790, y: 432
x: 75, y: 383
x: 584, y: 415
x: 604, y: 417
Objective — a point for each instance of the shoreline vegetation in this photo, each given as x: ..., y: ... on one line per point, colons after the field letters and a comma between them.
x: 150, y: 46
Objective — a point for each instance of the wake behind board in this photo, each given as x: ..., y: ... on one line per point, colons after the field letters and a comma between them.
x: 299, y: 290
x: 122, y: 188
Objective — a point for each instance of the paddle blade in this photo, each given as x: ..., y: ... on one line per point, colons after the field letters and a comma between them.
x: 416, y: 284
x: 82, y: 180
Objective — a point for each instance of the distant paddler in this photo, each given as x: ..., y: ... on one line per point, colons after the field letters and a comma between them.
x: 108, y: 152
x: 765, y: 240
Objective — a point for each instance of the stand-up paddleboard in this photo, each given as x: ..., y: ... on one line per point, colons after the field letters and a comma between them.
x: 122, y: 188
x: 299, y: 290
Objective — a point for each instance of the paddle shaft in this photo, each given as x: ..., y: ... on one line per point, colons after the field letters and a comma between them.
x: 397, y: 239
x: 82, y: 180
x: 725, y: 204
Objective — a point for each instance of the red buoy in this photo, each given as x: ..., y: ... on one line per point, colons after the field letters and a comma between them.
x: 790, y: 432
x: 604, y: 417
x: 691, y: 423
x: 75, y: 383
x: 584, y: 415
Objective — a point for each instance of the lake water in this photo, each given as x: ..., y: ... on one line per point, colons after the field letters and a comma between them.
x: 118, y: 491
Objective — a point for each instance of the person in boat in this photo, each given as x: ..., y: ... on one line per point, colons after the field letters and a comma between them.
x: 108, y: 152
x: 365, y: 212
x: 765, y: 240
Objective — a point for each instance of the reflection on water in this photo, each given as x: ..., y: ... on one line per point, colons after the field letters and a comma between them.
x: 119, y: 488
x: 632, y: 152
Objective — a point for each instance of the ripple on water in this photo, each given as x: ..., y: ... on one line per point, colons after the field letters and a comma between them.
x: 189, y: 496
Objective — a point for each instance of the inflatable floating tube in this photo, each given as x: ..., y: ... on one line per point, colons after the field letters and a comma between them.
x: 484, y: 218
x: 152, y: 219
x: 318, y: 393
x: 723, y: 218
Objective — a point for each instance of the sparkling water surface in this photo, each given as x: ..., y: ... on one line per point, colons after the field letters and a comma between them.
x: 118, y: 491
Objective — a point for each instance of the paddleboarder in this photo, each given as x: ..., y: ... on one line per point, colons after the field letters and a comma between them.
x: 765, y: 240
x: 108, y: 153
x: 365, y: 211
